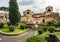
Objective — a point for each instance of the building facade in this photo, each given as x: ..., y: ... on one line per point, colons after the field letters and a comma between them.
x: 33, y: 18
x: 39, y: 18
x: 4, y: 17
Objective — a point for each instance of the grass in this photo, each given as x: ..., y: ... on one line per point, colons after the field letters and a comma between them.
x: 57, y: 28
x: 15, y: 31
x: 57, y: 34
x: 42, y: 35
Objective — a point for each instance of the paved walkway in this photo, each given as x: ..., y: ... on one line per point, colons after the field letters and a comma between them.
x: 20, y: 38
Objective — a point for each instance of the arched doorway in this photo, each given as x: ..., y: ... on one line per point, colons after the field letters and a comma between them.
x: 43, y: 20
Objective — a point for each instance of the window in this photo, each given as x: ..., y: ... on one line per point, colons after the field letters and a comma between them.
x: 27, y: 12
x: 43, y: 20
x: 49, y: 10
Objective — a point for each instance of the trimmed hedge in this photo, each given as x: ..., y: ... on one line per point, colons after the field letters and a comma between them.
x: 40, y: 31
x: 8, y: 23
x: 23, y: 26
x: 11, y: 28
x: 51, y: 29
x: 45, y: 29
x: 35, y: 38
x: 1, y: 25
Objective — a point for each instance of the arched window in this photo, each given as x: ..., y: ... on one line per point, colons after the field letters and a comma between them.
x: 49, y: 10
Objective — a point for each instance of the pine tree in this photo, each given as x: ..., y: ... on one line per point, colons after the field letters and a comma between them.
x: 14, y: 15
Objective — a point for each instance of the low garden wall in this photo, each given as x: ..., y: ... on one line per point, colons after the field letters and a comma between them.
x: 52, y: 38
x: 15, y: 34
x: 11, y: 37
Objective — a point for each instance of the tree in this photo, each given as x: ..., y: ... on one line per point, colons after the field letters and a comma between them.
x: 14, y: 15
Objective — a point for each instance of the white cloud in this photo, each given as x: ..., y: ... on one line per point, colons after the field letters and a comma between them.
x: 26, y: 2
x: 34, y: 5
x: 4, y: 2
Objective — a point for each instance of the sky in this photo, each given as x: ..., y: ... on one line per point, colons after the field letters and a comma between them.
x: 36, y: 6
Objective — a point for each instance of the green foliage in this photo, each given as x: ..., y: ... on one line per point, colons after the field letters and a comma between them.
x: 35, y: 39
x: 11, y: 28
x: 1, y: 25
x: 51, y: 29
x: 14, y: 15
x: 51, y: 23
x: 40, y: 31
x: 24, y: 26
x: 4, y: 8
x: 8, y: 23
x: 45, y: 28
x: 58, y: 23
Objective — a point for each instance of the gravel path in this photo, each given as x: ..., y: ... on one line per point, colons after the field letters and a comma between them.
x: 19, y: 38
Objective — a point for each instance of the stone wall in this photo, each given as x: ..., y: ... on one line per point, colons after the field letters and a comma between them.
x: 52, y: 38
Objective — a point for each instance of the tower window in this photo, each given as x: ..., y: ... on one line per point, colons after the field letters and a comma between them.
x: 27, y: 12
x: 49, y: 10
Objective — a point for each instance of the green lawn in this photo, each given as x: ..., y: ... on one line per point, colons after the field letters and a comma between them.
x: 6, y: 30
x: 57, y: 28
x: 57, y: 34
x: 42, y: 35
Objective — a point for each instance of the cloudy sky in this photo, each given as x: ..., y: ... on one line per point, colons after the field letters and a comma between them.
x: 34, y: 5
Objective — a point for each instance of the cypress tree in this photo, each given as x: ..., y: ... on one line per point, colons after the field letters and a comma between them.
x: 14, y: 15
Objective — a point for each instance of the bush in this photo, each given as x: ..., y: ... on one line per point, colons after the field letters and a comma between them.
x: 51, y: 23
x: 35, y: 39
x: 8, y: 23
x: 51, y: 29
x: 57, y: 23
x: 44, y: 29
x: 11, y: 28
x: 23, y: 26
x: 40, y: 31
x: 1, y: 25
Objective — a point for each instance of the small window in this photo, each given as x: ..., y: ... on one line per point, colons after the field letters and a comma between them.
x: 27, y: 12
x: 43, y: 20
x: 49, y: 10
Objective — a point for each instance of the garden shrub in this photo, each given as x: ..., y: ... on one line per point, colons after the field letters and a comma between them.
x: 45, y: 28
x: 8, y: 23
x: 51, y: 29
x: 23, y: 26
x: 35, y: 38
x: 51, y: 23
x: 58, y: 23
x: 40, y: 31
x: 11, y: 28
x: 1, y: 25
